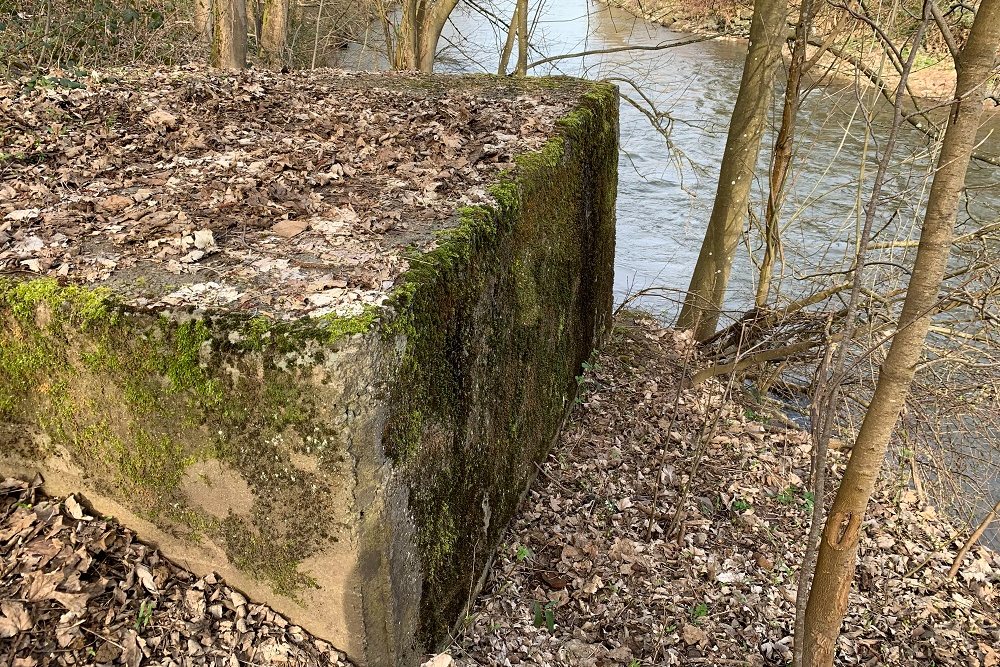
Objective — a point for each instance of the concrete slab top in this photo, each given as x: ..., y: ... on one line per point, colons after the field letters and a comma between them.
x: 284, y: 194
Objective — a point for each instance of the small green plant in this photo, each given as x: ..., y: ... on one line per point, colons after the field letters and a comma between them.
x: 787, y: 497
x: 581, y: 380
x: 42, y: 81
x: 544, y: 615
x: 740, y: 505
x: 699, y: 611
x: 790, y: 495
x: 808, y: 501
x: 635, y: 663
x: 145, y: 615
x: 523, y: 553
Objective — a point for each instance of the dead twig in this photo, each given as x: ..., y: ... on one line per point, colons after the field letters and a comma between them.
x: 983, y: 525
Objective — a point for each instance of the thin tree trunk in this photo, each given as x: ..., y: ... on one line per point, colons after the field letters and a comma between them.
x: 508, y: 46
x: 522, y: 38
x: 703, y: 304
x: 405, y: 54
x: 204, y: 19
x: 319, y: 22
x: 837, y: 560
x: 229, y: 43
x: 783, y: 152
x: 830, y: 374
x: 274, y: 32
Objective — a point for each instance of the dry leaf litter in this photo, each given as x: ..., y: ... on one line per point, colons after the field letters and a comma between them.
x: 577, y: 582
x: 286, y: 194
x: 76, y: 589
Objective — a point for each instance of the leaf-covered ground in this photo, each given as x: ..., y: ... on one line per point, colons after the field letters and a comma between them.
x: 289, y: 194
x: 80, y: 590
x: 579, y: 580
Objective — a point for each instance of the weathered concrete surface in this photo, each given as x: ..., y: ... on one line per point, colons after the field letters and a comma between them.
x: 355, y: 471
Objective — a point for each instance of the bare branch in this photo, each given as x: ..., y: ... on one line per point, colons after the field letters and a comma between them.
x: 619, y: 49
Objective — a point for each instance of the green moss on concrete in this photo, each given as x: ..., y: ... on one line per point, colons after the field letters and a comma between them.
x: 404, y: 435
x: 264, y: 334
x: 136, y: 398
x: 339, y: 326
x: 184, y: 367
x: 71, y: 304
x: 437, y: 539
x: 20, y: 360
x: 486, y: 377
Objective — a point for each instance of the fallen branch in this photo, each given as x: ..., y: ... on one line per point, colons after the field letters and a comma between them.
x: 776, y: 354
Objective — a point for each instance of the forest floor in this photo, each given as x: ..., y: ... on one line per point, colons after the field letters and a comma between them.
x: 590, y: 573
x: 81, y: 590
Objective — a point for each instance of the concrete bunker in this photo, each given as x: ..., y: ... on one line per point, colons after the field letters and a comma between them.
x: 309, y: 331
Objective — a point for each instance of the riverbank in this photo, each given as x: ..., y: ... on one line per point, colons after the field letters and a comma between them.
x: 933, y: 76
x: 581, y: 581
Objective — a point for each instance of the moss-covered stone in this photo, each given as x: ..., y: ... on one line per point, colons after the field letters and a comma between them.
x: 356, y: 472
x: 497, y: 322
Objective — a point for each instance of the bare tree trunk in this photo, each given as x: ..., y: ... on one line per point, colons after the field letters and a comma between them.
x: 830, y: 374
x: 837, y: 560
x: 274, y: 32
x: 703, y: 304
x: 434, y: 21
x: 508, y: 46
x: 204, y: 19
x: 229, y: 44
x: 419, y: 33
x: 783, y: 152
x: 405, y: 53
x: 522, y: 38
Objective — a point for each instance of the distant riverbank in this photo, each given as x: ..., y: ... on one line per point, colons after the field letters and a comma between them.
x: 933, y: 77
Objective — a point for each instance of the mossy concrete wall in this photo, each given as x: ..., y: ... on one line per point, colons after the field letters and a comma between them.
x: 355, y: 473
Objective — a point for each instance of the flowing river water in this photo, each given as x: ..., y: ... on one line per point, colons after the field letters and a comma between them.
x: 665, y: 194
